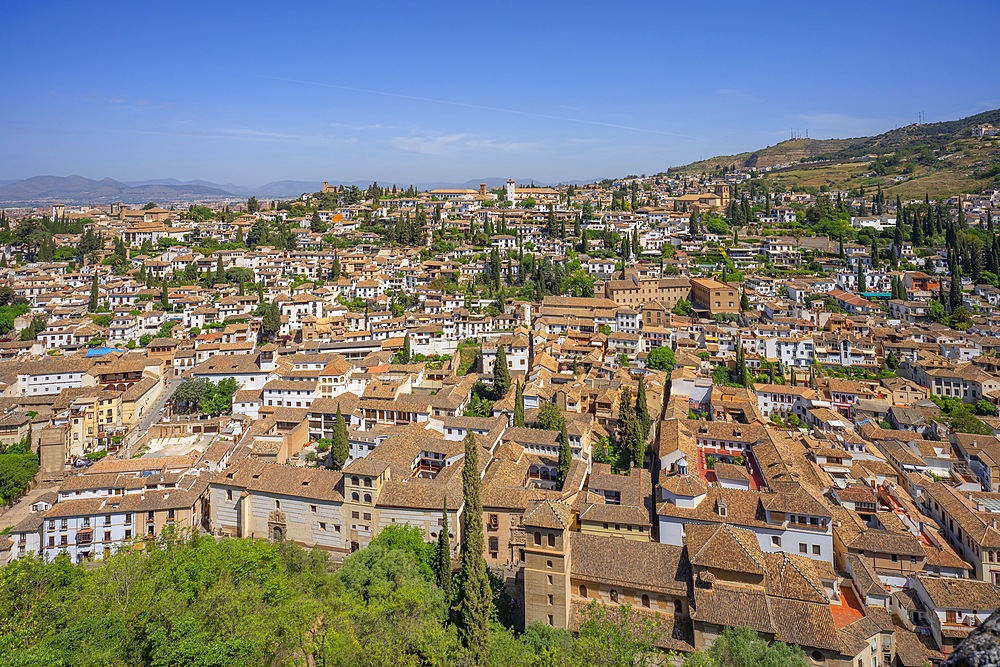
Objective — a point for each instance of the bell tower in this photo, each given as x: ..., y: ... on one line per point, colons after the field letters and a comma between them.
x: 547, y: 525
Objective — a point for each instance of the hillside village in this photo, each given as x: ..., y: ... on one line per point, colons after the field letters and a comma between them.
x: 720, y: 401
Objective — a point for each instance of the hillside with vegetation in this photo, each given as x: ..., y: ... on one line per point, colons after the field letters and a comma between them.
x: 940, y: 159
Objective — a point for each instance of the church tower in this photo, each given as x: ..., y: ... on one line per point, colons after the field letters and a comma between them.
x: 547, y: 559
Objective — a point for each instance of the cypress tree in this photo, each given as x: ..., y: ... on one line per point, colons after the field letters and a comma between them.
x: 955, y: 289
x: 565, y: 456
x: 405, y: 355
x: 742, y: 374
x: 501, y: 374
x: 473, y: 596
x: 92, y: 306
x: 626, y: 419
x: 744, y: 300
x: 862, y: 287
x: 642, y: 411
x: 164, y: 297
x: 874, y: 253
x: 442, y: 555
x: 220, y: 272
x: 519, y: 405
x: 340, y: 450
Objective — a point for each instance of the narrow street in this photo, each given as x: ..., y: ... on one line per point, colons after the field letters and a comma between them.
x: 153, y: 415
x: 17, y: 513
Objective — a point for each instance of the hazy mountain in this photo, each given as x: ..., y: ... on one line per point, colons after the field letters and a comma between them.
x: 285, y: 189
x: 226, y: 187
x: 77, y: 189
x: 80, y: 190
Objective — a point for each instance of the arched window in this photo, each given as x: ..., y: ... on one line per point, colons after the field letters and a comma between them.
x: 368, y: 498
x: 678, y: 607
x: 614, y: 595
x: 354, y: 496
x: 354, y: 480
x: 368, y: 482
x: 538, y: 538
x: 552, y: 539
x: 645, y: 601
x: 583, y: 591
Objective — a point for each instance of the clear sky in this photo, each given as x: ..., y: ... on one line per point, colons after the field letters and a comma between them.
x: 249, y: 92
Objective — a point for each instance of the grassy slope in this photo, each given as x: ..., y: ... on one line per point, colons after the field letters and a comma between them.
x: 843, y: 163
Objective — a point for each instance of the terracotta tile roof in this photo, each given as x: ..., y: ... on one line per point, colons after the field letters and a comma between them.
x: 643, y: 565
x: 271, y: 478
x: 548, y: 514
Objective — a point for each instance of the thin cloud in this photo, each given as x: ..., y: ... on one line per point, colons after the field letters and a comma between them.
x: 481, y: 107
x: 450, y: 144
x: 238, y: 133
x: 362, y: 128
x: 438, y: 145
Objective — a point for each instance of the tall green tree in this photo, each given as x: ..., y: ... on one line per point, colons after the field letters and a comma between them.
x: 220, y: 271
x: 442, y: 555
x: 742, y: 373
x: 164, y: 297
x: 405, y: 355
x: 501, y: 374
x: 565, y: 457
x: 519, y: 405
x: 93, y: 304
x: 642, y: 410
x: 474, y: 597
x: 270, y: 324
x: 627, y: 426
x: 955, y: 289
x: 340, y: 449
x: 862, y: 286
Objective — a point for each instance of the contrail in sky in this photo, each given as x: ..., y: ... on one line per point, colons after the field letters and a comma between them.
x: 476, y: 106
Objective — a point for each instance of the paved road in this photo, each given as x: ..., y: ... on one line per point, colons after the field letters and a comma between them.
x: 153, y: 414
x: 14, y: 515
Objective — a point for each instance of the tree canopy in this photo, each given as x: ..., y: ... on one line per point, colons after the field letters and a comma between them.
x: 194, y: 600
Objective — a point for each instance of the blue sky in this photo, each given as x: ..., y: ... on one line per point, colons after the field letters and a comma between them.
x: 249, y: 92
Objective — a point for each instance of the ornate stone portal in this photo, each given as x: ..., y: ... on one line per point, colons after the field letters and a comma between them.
x: 277, y: 525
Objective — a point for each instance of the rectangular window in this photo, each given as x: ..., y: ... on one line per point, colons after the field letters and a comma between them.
x: 803, y: 548
x: 775, y: 541
x: 815, y: 550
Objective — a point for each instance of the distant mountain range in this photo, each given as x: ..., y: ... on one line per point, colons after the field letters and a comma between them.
x: 40, y: 190
x: 77, y: 189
